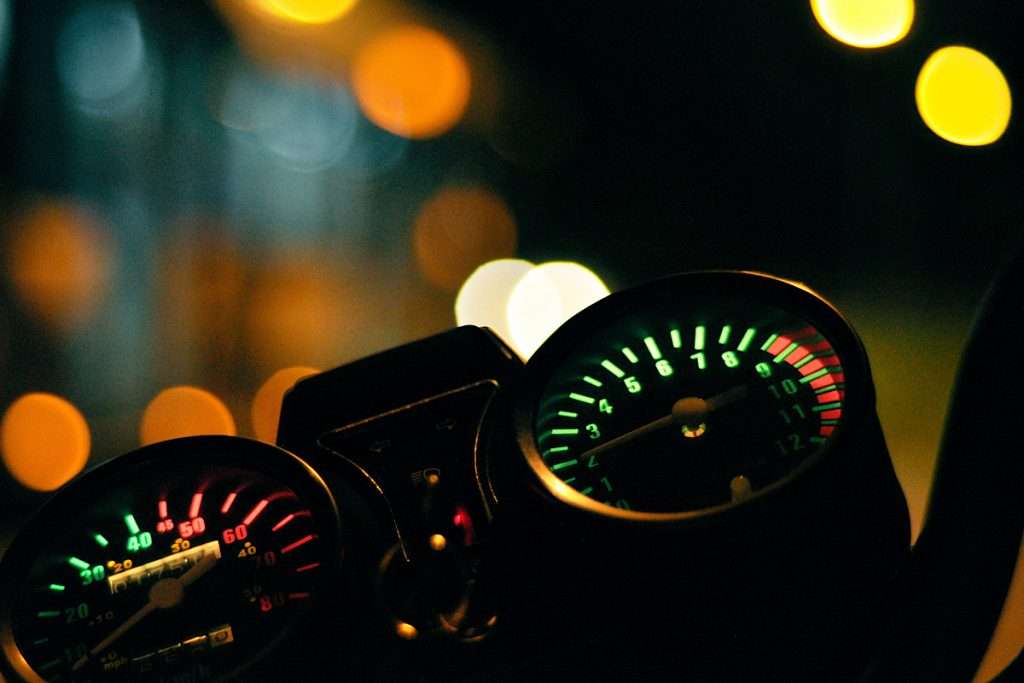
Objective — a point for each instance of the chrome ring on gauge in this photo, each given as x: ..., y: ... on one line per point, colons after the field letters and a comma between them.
x: 690, y: 395
x: 189, y: 558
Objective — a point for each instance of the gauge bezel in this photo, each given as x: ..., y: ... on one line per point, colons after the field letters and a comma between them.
x: 759, y: 289
x: 231, y: 451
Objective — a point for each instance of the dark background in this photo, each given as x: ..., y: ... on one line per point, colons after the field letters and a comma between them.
x: 637, y: 139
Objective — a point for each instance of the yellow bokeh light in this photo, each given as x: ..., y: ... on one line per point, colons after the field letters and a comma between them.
x: 306, y: 11
x: 184, y: 411
x: 59, y: 262
x: 545, y: 298
x: 45, y: 441
x: 963, y: 97
x: 300, y: 312
x: 266, y: 404
x: 412, y: 81
x: 865, y: 23
x: 458, y: 229
x: 483, y: 298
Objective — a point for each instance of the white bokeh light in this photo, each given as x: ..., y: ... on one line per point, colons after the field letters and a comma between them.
x: 483, y: 298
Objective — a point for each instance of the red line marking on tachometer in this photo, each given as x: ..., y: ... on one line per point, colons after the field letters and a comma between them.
x: 161, y: 509
x: 782, y: 342
x: 228, y: 502
x: 307, y: 567
x: 298, y: 596
x: 826, y: 430
x: 825, y: 380
x: 255, y: 512
x: 822, y: 345
x: 831, y: 414
x: 302, y: 541
x: 830, y: 397
x: 797, y: 355
x: 193, y: 509
x: 289, y: 517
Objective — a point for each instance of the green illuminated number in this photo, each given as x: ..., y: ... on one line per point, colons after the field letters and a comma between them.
x: 607, y: 484
x: 593, y: 431
x: 86, y: 576
x: 664, y: 367
x: 763, y: 369
x: 632, y: 385
x: 797, y: 409
x: 622, y: 503
x: 592, y: 462
x: 73, y: 614
x: 139, y: 542
x: 730, y: 359
x: 76, y: 652
x: 788, y: 387
x: 89, y: 576
x: 604, y: 406
x: 701, y: 361
x: 791, y: 443
x: 98, y: 573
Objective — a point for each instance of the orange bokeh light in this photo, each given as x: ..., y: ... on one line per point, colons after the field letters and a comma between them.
x: 306, y: 11
x: 59, y: 262
x: 184, y: 411
x: 45, y: 441
x: 459, y: 229
x: 412, y: 81
x: 266, y: 404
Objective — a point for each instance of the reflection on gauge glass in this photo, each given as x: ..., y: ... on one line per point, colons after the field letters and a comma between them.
x: 177, y: 561
x: 694, y: 399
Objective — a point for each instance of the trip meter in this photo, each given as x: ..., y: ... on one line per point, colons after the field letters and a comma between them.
x: 191, y: 558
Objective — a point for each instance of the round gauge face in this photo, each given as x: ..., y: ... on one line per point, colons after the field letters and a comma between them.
x: 691, y: 393
x: 177, y: 562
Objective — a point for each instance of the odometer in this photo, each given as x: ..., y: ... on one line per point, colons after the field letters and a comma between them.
x: 188, y: 558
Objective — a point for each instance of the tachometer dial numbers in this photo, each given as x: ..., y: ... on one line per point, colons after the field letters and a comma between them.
x: 670, y: 407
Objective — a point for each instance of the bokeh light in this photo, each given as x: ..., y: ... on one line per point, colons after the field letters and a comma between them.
x: 412, y: 81
x: 59, y: 261
x: 963, y: 97
x: 45, y: 441
x: 266, y: 404
x: 184, y: 411
x: 483, y: 298
x: 458, y: 229
x: 546, y: 297
x: 865, y: 23
x: 101, y: 58
x: 299, y: 313
x: 306, y: 11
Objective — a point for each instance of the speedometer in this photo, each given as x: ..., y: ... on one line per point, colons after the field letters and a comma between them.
x: 189, y: 558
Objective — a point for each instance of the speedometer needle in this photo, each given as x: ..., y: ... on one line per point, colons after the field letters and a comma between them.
x: 164, y: 593
x: 685, y: 411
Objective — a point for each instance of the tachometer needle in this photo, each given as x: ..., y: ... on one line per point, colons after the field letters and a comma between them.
x: 685, y: 411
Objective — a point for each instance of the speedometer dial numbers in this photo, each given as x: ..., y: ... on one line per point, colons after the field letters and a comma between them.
x: 166, y: 570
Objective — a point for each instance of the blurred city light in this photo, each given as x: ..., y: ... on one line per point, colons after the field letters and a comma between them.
x: 60, y: 262
x: 45, y: 441
x: 306, y: 11
x: 298, y: 313
x: 963, y: 97
x: 102, y: 60
x: 546, y: 297
x: 457, y: 230
x: 307, y: 125
x: 184, y: 411
x: 483, y: 298
x: 412, y: 81
x: 865, y: 23
x: 266, y: 404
